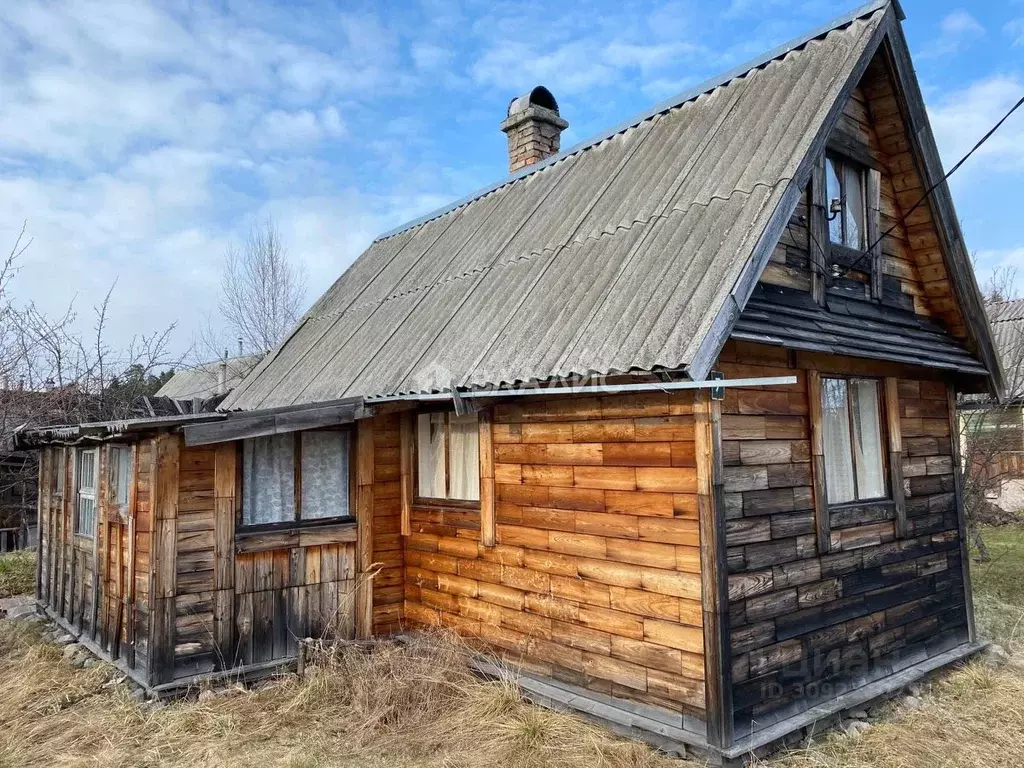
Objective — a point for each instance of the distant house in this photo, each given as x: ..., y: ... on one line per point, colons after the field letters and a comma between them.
x: 992, y: 431
x: 208, y: 383
x: 665, y: 418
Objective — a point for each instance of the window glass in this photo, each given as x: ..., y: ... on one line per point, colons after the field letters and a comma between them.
x: 852, y: 436
x: 833, y: 191
x: 464, y: 457
x: 324, y: 474
x: 836, y: 433
x: 85, y: 502
x: 867, y: 438
x: 448, y: 456
x: 120, y: 474
x: 853, y: 208
x: 430, y: 439
x: 268, y: 479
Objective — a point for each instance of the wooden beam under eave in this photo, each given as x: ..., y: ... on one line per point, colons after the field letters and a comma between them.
x: 364, y: 529
x: 714, y: 569
x: 487, y: 515
x: 407, y: 432
x: 164, y: 468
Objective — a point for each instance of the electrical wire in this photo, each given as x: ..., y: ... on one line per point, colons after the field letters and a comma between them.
x: 934, y: 186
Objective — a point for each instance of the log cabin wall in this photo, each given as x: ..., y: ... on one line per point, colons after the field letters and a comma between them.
x: 595, y: 576
x: 804, y: 621
x: 106, y: 605
x: 387, y: 553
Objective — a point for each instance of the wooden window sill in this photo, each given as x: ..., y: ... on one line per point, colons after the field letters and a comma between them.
x: 308, y: 534
x: 855, y: 513
x: 462, y: 504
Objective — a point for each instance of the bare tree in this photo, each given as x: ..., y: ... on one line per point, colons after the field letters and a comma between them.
x: 262, y: 290
x: 50, y: 373
x: 992, y: 432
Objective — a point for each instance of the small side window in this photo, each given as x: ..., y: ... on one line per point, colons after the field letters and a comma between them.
x: 853, y: 445
x: 86, y: 475
x: 448, y: 456
x: 119, y: 469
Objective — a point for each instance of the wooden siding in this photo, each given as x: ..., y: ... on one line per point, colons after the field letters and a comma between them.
x: 800, y: 615
x: 871, y: 129
x: 388, y: 546
x: 595, y: 578
x: 248, y: 598
x: 107, y: 604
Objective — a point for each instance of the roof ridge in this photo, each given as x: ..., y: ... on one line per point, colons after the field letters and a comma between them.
x: 666, y: 105
x: 603, y: 233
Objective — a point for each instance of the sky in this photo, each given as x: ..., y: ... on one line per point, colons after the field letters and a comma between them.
x: 140, y: 139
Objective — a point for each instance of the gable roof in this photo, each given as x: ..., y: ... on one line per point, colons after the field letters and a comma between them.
x: 203, y: 380
x: 634, y: 251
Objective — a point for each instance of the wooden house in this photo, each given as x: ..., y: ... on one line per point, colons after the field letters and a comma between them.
x: 665, y: 418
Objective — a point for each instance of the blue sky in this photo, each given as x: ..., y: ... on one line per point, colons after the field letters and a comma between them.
x: 139, y: 139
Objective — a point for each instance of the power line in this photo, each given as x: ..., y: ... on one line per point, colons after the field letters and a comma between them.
x: 934, y: 186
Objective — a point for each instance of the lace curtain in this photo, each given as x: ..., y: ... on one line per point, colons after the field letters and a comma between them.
x: 268, y: 479
x: 325, y: 474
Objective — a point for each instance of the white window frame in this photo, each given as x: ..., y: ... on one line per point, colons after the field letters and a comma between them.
x: 86, y: 493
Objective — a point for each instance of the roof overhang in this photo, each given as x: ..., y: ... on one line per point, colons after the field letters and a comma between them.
x: 241, y: 425
x: 25, y: 438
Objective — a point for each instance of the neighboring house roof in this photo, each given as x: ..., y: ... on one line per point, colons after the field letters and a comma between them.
x: 1007, y: 319
x: 634, y: 251
x: 203, y: 381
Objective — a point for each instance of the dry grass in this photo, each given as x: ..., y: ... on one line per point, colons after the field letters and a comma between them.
x: 397, y: 706
x: 974, y: 718
x: 17, y: 573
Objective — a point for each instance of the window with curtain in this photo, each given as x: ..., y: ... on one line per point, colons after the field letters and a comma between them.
x: 852, y: 436
x: 120, y: 471
x: 448, y: 456
x: 317, y: 463
x: 845, y: 187
x: 86, y: 475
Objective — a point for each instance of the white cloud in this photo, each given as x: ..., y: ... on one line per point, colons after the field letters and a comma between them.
x: 961, y: 118
x: 956, y: 31
x: 1015, y: 29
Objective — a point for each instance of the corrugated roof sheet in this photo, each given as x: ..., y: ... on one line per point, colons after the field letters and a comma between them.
x: 614, y: 257
x: 1007, y: 320
x: 203, y: 380
x: 792, y: 318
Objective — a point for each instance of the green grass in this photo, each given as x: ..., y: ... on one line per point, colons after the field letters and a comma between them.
x: 17, y: 573
x: 999, y: 587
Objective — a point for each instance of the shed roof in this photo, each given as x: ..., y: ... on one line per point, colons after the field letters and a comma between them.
x: 1007, y: 318
x: 623, y: 253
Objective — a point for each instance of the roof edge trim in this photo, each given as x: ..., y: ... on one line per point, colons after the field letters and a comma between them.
x: 663, y: 106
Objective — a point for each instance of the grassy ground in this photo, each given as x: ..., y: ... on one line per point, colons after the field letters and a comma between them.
x: 17, y: 573
x: 418, y: 706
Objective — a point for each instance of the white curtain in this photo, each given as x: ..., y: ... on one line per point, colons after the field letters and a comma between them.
x: 464, y: 457
x: 430, y: 455
x: 867, y: 438
x: 268, y: 479
x: 836, y: 435
x: 325, y: 457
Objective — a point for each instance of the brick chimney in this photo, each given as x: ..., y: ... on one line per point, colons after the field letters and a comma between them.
x: 533, y: 127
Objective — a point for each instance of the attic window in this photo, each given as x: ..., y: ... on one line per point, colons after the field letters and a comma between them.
x: 846, y: 183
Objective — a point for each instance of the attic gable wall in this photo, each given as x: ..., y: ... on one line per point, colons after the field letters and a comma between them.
x: 915, y: 277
